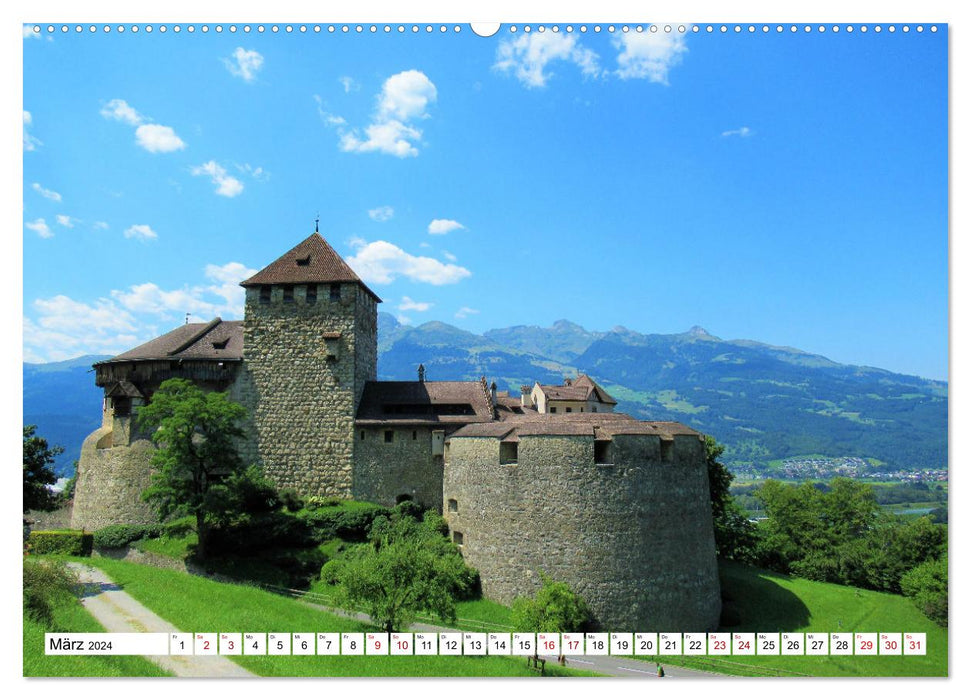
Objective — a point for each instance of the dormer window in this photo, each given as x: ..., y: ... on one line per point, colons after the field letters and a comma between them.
x: 220, y: 344
x: 303, y: 262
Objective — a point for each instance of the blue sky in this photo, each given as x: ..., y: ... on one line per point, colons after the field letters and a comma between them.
x: 788, y: 188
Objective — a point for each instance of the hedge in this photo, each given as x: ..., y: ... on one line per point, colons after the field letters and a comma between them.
x: 117, y: 536
x: 73, y: 542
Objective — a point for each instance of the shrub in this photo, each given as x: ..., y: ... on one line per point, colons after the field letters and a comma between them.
x: 261, y: 532
x: 179, y: 528
x: 291, y: 500
x: 72, y: 542
x: 926, y: 584
x: 117, y: 536
x: 315, y: 502
x: 45, y: 583
x: 341, y: 521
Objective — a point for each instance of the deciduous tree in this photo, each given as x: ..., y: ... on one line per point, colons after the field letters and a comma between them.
x: 38, y: 474
x: 196, y: 458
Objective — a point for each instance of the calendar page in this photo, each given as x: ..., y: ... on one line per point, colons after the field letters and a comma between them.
x: 381, y: 343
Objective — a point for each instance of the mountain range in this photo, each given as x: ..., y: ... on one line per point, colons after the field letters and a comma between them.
x: 763, y: 402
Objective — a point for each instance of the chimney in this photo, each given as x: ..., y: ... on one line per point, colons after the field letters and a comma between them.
x: 527, y: 399
x: 492, y: 389
x: 421, y: 373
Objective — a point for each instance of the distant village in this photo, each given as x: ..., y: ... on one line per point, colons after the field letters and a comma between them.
x: 816, y: 468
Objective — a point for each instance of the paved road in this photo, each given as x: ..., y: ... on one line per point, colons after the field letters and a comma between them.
x: 119, y: 612
x: 607, y: 665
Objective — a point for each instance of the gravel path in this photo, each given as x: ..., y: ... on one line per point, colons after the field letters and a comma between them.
x: 119, y: 612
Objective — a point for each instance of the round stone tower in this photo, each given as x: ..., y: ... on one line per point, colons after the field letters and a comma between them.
x: 617, y: 508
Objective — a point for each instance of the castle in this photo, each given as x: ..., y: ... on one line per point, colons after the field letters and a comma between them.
x: 552, y: 481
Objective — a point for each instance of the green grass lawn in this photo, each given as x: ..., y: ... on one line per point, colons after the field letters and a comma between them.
x: 763, y: 601
x: 70, y: 616
x: 196, y: 604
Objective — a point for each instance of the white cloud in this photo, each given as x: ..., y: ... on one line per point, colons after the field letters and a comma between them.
x: 142, y: 232
x: 156, y: 138
x: 404, y: 97
x: 325, y: 116
x: 409, y: 304
x: 49, y: 194
x: 743, y: 132
x: 381, y: 214
x: 100, y: 225
x: 648, y: 55
x: 225, y: 281
x: 381, y: 262
x: 403, y: 320
x: 439, y: 227
x: 65, y: 328
x: 257, y: 173
x: 527, y: 56
x: 226, y: 185
x: 29, y: 32
x: 40, y: 227
x: 448, y: 256
x: 121, y: 111
x: 244, y: 64
x: 350, y: 85
x: 393, y: 138
x: 465, y: 312
x: 66, y: 221
x: 30, y: 142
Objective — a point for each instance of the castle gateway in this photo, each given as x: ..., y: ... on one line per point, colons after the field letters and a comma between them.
x: 552, y: 481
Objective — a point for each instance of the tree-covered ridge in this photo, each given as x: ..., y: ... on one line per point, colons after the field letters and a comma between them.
x: 762, y: 402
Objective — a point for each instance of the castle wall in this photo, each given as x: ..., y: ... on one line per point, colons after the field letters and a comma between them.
x: 301, y: 388
x: 384, y: 471
x: 110, y: 482
x: 633, y: 538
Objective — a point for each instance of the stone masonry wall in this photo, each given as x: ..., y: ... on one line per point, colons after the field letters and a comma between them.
x: 404, y: 467
x: 301, y: 405
x: 110, y: 483
x: 633, y: 538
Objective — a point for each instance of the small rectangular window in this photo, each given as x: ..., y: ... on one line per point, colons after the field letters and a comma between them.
x: 288, y: 293
x: 362, y: 435
x: 594, y: 409
x: 122, y: 406
x: 453, y: 506
x: 601, y: 451
x: 311, y: 293
x: 265, y: 294
x: 508, y: 452
x: 389, y: 436
x: 335, y: 292
x: 552, y: 409
x: 414, y: 434
x: 667, y: 450
x: 457, y: 538
x: 569, y: 410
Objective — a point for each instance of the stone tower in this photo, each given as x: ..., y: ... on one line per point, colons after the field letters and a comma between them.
x: 309, y: 344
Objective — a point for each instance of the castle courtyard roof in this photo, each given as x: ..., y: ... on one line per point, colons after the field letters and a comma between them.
x: 389, y: 403
x: 601, y: 426
x: 312, y: 261
x: 216, y: 340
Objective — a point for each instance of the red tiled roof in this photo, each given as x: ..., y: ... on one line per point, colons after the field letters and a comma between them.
x: 312, y: 261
